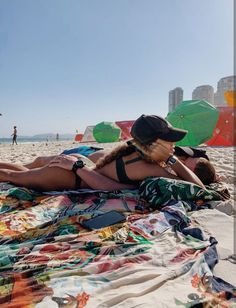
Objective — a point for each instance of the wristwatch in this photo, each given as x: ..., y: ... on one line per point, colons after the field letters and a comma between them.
x: 171, y: 160
x: 79, y: 164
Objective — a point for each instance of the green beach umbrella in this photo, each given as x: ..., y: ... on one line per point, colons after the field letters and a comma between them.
x: 198, y: 117
x: 106, y: 132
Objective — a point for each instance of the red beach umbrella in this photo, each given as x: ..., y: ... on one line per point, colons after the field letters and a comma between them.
x: 224, y: 132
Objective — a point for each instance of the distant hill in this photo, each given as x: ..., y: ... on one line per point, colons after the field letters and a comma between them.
x: 49, y: 136
x: 53, y: 136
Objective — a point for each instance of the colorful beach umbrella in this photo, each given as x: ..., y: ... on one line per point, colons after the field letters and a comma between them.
x: 225, y: 130
x: 198, y: 117
x: 78, y: 137
x: 230, y: 97
x: 106, y: 132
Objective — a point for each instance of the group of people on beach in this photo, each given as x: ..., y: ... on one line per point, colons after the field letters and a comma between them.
x: 151, y: 153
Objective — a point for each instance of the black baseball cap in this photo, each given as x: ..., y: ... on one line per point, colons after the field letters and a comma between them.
x: 184, y: 151
x: 190, y: 152
x: 147, y: 128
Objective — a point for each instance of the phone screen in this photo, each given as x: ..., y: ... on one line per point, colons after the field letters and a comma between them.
x: 104, y: 220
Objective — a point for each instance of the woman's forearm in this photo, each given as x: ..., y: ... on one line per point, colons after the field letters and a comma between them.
x: 96, y: 180
x: 90, y: 177
x: 185, y: 173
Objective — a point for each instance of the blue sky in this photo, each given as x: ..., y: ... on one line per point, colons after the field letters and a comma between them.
x: 66, y: 64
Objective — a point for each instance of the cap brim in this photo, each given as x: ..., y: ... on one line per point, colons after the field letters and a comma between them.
x: 174, y: 135
x: 182, y: 151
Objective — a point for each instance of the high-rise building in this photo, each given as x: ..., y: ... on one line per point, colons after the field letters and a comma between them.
x: 175, y: 97
x: 224, y: 84
x: 205, y: 92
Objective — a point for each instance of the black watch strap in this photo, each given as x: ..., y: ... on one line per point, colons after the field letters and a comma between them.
x: 79, y: 164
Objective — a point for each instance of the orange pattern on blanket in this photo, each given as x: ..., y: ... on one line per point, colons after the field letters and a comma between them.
x: 25, y: 292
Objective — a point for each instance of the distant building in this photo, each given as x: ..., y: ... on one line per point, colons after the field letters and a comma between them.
x: 224, y: 84
x: 175, y: 97
x: 204, y: 92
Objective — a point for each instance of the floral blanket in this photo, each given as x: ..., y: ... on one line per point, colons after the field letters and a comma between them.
x: 154, y: 259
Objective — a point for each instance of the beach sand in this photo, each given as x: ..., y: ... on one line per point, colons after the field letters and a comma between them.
x: 222, y: 158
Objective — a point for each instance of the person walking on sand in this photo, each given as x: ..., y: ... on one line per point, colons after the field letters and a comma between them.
x: 14, y: 136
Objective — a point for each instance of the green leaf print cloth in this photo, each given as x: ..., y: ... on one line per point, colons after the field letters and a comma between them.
x: 159, y: 191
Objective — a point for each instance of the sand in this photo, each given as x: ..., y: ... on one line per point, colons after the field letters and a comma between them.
x: 222, y: 158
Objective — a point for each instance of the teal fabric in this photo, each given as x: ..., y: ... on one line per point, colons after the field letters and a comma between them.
x: 159, y: 191
x: 20, y: 193
x: 82, y: 150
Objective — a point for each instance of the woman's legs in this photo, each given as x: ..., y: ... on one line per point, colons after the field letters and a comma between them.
x: 40, y: 161
x: 12, y: 166
x: 44, y: 179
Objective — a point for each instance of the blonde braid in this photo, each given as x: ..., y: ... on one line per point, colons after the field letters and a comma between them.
x: 123, y: 150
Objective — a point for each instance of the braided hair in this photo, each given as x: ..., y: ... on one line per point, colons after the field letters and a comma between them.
x: 126, y: 148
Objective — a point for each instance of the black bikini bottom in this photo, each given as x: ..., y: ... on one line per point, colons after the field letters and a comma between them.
x: 78, y: 181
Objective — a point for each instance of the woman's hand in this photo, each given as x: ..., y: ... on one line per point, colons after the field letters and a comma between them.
x: 161, y: 150
x: 63, y: 161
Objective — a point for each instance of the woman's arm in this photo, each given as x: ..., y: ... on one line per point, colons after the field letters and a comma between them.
x: 96, y: 180
x: 160, y: 153
x: 180, y: 170
x: 185, y: 173
x: 92, y: 178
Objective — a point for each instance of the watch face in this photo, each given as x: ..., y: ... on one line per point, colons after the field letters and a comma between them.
x: 79, y: 164
x: 171, y: 160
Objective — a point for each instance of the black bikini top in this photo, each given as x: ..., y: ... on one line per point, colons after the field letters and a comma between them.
x: 121, y: 173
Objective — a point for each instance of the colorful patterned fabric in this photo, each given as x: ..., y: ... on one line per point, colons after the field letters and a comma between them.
x: 47, y: 258
x: 158, y: 191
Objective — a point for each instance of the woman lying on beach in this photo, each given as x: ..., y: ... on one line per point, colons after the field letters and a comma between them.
x: 149, y: 154
x: 195, y: 159
x: 94, y: 153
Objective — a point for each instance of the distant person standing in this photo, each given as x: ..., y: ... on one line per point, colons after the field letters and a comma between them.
x: 14, y: 136
x: 57, y: 137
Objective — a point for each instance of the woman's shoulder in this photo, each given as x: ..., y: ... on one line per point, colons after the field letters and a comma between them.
x: 147, y: 169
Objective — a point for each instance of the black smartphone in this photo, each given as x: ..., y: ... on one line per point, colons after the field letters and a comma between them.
x: 104, y: 220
